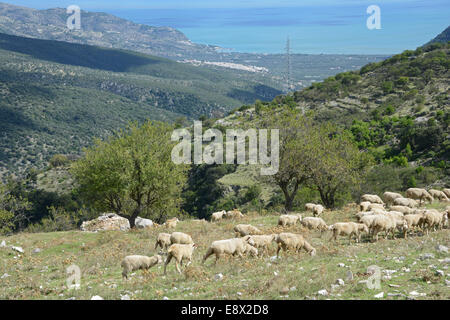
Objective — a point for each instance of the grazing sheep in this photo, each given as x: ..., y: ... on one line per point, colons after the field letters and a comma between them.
x: 180, y: 252
x: 262, y: 242
x: 360, y: 215
x: 132, y: 263
x: 234, y: 214
x: 288, y: 241
x: 217, y: 216
x: 172, y: 223
x: 401, y: 223
x: 432, y: 219
x: 402, y: 209
x: 372, y: 198
x: 413, y: 221
x: 181, y: 238
x: 368, y: 220
x: 419, y: 194
x: 289, y: 219
x: 235, y: 246
x: 243, y: 230
x: 447, y: 192
x: 309, y: 207
x: 389, y: 197
x: 378, y: 211
x: 364, y: 206
x: 406, y: 202
x: 439, y: 195
x: 348, y: 229
x: 318, y: 209
x: 314, y: 223
x: 376, y: 206
x: 163, y: 240
x: 384, y: 223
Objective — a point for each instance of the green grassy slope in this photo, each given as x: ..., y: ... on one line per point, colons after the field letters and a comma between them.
x: 295, y: 276
x: 56, y: 96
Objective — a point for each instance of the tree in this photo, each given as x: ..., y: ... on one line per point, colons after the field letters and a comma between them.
x: 13, y: 211
x: 132, y: 173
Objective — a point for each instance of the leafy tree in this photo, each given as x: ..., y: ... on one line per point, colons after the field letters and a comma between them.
x: 13, y: 211
x: 132, y: 173
x: 58, y: 160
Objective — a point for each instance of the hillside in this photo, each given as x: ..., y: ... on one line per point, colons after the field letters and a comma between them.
x: 57, y: 96
x: 443, y: 37
x: 409, y: 267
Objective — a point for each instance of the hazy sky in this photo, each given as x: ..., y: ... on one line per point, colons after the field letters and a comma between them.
x: 116, y: 4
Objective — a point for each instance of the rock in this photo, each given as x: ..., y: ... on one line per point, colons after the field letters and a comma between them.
x: 142, y: 223
x: 218, y: 277
x: 446, y: 261
x: 3, y: 244
x: 273, y: 258
x: 404, y: 269
x: 239, y: 293
x: 342, y: 265
x: 379, y: 296
x: 441, y: 248
x: 5, y: 275
x: 106, y: 222
x: 292, y: 288
x: 18, y: 249
x: 71, y: 298
x: 97, y: 298
x: 440, y: 273
x: 125, y: 297
x: 322, y: 292
x: 37, y: 250
x: 447, y: 282
x: 275, y: 273
x: 394, y: 294
x: 284, y: 291
x: 165, y: 298
x: 340, y: 282
x: 426, y: 256
x: 415, y: 294
x: 394, y: 286
x: 349, y: 276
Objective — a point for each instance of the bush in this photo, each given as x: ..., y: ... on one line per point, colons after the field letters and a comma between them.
x: 58, y: 220
x: 59, y: 160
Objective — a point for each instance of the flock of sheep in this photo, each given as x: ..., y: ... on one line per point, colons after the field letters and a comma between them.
x: 404, y: 214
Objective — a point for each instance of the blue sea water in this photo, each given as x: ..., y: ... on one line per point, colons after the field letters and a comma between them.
x: 311, y: 29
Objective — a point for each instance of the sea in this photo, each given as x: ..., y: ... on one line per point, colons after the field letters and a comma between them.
x: 333, y: 29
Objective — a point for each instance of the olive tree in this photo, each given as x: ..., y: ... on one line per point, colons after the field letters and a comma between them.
x: 132, y: 173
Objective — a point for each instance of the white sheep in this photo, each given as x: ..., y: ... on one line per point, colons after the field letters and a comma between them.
x: 289, y: 219
x: 402, y: 209
x: 419, y: 194
x: 314, y: 223
x: 373, y: 198
x: 181, y: 238
x: 432, y: 219
x: 364, y: 206
x: 163, y: 240
x: 411, y: 203
x: 389, y: 197
x: 172, y: 223
x: 384, y: 223
x: 318, y: 209
x: 262, y: 242
x: 413, y: 221
x: 234, y: 214
x: 180, y: 252
x: 136, y: 262
x: 309, y: 207
x: 217, y: 216
x: 438, y: 195
x: 447, y: 192
x: 243, y: 230
x: 348, y: 229
x: 235, y: 246
x: 294, y: 241
x: 373, y: 206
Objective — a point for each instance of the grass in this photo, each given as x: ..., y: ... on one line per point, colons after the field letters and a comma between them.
x: 295, y: 276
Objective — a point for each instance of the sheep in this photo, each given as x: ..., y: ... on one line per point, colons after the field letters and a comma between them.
x: 399, y: 219
x: 135, y: 262
x: 289, y: 219
x: 181, y: 238
x: 243, y: 230
x: 406, y: 202
x: 171, y: 223
x: 163, y: 240
x: 413, y: 221
x: 447, y: 192
x: 318, y: 209
x: 361, y: 215
x: 309, y: 207
x: 179, y: 252
x: 348, y: 229
x: 419, y: 194
x: 432, y: 219
x: 314, y: 223
x: 376, y: 206
x: 402, y: 209
x: 364, y: 206
x: 235, y: 246
x: 288, y: 241
x: 262, y: 242
x: 378, y: 211
x: 439, y: 195
x: 383, y: 223
x: 234, y: 214
x: 389, y: 197
x: 216, y: 216
x: 373, y: 198
x: 368, y: 220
